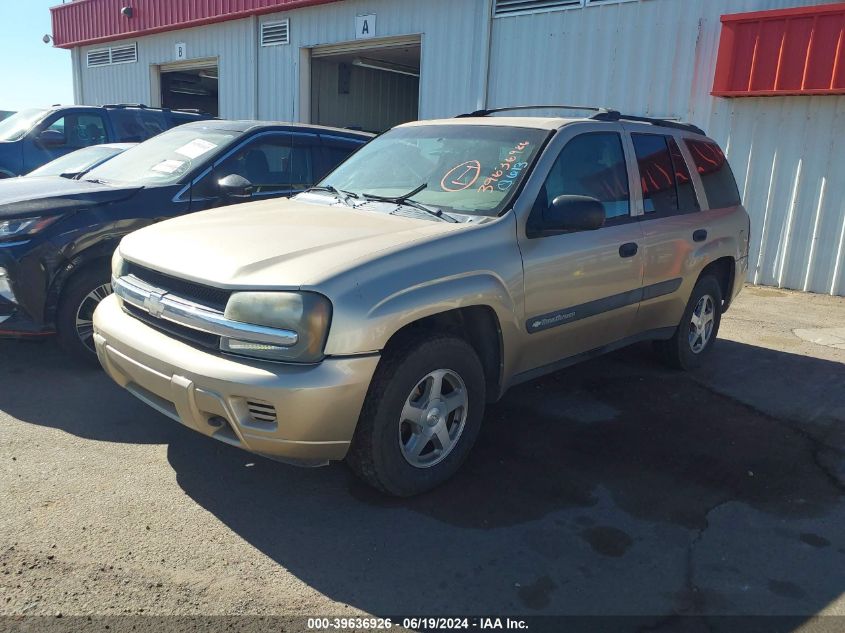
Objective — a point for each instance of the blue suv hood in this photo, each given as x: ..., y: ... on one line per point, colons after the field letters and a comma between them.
x: 54, y: 194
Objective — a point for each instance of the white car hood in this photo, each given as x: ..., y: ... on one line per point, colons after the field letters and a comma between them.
x: 280, y: 243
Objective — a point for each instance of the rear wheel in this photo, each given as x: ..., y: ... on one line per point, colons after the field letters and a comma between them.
x: 75, y: 319
x: 698, y: 329
x: 421, y: 417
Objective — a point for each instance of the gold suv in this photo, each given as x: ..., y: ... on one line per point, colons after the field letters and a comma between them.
x: 372, y: 317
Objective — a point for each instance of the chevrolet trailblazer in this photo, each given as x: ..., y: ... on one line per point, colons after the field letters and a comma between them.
x: 372, y: 317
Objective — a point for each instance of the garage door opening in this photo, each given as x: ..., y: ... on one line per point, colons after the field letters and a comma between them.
x: 368, y: 88
x: 191, y: 89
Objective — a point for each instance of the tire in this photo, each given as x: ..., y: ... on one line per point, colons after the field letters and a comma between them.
x: 402, y: 457
x: 80, y: 297
x: 691, y: 344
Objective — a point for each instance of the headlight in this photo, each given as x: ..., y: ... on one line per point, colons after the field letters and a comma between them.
x: 22, y: 227
x: 118, y: 266
x: 306, y: 313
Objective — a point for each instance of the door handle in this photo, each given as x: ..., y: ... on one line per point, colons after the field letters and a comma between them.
x: 628, y: 250
x: 699, y: 236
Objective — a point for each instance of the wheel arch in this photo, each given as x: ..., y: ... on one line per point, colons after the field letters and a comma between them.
x: 724, y: 270
x: 97, y: 255
x: 478, y: 325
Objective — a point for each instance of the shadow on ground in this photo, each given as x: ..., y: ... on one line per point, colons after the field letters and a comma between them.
x: 605, y: 475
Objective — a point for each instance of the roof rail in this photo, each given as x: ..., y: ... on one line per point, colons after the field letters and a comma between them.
x: 489, y: 111
x: 126, y: 105
x: 675, y: 125
x: 601, y: 114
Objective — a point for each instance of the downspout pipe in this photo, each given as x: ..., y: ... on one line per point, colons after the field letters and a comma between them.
x: 484, y: 62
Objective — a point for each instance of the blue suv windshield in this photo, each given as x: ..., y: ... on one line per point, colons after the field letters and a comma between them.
x: 16, y: 126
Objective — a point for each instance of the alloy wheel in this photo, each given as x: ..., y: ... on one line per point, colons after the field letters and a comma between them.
x: 85, y: 314
x: 433, y: 418
x: 701, y: 324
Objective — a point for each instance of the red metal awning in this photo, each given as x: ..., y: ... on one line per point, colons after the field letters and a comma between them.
x: 785, y: 52
x: 91, y: 21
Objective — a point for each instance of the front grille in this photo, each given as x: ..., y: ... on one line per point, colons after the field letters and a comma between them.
x: 198, y: 293
x: 195, y: 337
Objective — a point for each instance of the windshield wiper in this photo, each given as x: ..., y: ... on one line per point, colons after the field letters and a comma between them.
x: 405, y: 200
x: 96, y: 181
x: 339, y: 193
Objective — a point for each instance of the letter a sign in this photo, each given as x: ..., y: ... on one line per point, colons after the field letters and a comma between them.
x: 365, y: 26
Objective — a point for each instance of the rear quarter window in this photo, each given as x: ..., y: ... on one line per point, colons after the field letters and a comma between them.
x: 716, y: 175
x: 135, y: 126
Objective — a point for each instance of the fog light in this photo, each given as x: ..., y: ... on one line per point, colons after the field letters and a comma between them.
x: 5, y: 286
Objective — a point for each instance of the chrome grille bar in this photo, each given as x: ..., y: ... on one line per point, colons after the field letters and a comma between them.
x: 160, y: 304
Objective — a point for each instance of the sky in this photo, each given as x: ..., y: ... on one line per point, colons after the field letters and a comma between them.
x: 33, y: 73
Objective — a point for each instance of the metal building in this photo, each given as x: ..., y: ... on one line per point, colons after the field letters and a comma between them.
x: 766, y: 78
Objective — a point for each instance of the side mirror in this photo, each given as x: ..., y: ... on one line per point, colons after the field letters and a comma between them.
x: 235, y: 186
x: 573, y: 213
x: 50, y: 138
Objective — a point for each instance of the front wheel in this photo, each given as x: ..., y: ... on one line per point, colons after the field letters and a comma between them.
x: 75, y: 318
x: 698, y: 329
x: 422, y: 415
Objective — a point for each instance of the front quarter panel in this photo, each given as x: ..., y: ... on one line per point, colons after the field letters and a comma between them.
x: 473, y: 266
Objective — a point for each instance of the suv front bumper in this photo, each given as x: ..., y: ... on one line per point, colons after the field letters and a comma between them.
x: 301, y: 413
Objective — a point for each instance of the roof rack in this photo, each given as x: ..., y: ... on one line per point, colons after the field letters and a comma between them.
x: 613, y: 115
x: 601, y: 114
x: 126, y: 105
x: 489, y: 111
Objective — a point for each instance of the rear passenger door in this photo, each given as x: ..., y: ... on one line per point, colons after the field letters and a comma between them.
x: 582, y: 287
x: 673, y: 226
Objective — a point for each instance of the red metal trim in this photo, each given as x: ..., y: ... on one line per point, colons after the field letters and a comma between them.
x: 779, y: 14
x: 87, y: 22
x: 782, y: 53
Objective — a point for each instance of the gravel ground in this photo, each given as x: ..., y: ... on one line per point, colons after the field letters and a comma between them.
x: 613, y: 487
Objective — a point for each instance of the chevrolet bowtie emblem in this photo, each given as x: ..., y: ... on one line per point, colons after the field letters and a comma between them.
x: 154, y: 304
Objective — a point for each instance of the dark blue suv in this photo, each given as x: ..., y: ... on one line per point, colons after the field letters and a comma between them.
x: 31, y: 138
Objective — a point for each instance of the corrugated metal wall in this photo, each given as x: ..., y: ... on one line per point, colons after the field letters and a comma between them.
x: 232, y: 43
x: 652, y: 57
x: 451, y: 48
x: 658, y: 57
x: 398, y: 97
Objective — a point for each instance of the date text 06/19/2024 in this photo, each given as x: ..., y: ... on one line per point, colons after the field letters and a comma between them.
x: 416, y: 623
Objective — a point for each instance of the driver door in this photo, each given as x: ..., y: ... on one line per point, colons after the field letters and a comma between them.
x: 69, y: 131
x: 582, y: 289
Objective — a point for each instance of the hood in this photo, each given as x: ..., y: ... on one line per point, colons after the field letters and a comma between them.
x: 36, y: 195
x: 282, y: 243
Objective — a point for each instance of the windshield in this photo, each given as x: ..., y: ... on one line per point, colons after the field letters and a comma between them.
x: 16, y: 126
x: 163, y: 159
x: 77, y: 162
x: 471, y: 169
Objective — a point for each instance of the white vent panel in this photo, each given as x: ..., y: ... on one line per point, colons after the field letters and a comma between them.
x: 275, y: 33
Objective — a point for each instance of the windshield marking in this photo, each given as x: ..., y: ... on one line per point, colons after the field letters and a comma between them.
x: 460, y: 183
x: 509, y: 168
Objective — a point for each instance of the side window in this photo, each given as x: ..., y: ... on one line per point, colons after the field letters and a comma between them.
x: 593, y: 165
x: 134, y: 126
x: 334, y: 153
x: 273, y: 164
x: 716, y: 175
x: 657, y: 175
x: 687, y: 200
x: 79, y: 130
x: 90, y: 130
